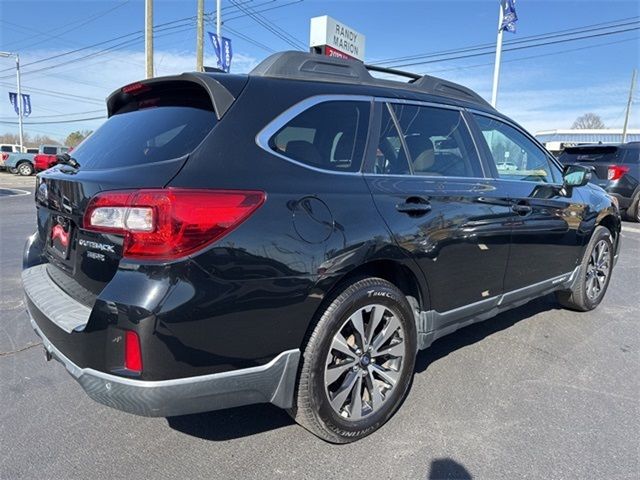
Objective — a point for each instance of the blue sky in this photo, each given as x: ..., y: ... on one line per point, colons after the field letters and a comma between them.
x: 542, y: 88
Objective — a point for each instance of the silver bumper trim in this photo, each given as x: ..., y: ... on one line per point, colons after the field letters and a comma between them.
x: 273, y: 383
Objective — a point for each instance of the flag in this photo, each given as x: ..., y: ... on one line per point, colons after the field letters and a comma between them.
x: 222, y: 47
x: 13, y: 98
x: 509, y: 16
x: 26, y: 105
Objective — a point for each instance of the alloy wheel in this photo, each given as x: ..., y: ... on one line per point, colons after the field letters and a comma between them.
x: 598, y: 269
x: 364, y: 362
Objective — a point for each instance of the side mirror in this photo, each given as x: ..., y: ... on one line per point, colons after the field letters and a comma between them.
x: 576, y: 176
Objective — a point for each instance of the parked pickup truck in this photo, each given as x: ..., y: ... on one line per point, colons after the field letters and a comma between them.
x: 24, y: 163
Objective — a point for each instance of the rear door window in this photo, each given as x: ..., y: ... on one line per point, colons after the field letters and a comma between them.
x: 438, y: 141
x: 49, y: 150
x: 330, y: 135
x: 161, y: 123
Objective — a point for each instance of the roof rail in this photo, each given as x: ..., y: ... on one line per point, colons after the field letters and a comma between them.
x: 310, y: 66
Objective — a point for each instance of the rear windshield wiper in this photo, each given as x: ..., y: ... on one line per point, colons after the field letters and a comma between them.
x: 67, y: 159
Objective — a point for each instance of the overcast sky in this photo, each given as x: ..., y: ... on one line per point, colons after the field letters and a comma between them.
x: 542, y: 88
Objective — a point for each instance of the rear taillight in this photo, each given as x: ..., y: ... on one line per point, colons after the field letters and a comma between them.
x: 5, y: 156
x: 132, y: 352
x: 615, y: 172
x: 166, y: 224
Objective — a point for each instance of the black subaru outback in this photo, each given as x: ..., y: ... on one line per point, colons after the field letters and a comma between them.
x: 295, y: 236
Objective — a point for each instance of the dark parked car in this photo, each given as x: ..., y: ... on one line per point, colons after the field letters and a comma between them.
x: 295, y: 236
x: 616, y: 168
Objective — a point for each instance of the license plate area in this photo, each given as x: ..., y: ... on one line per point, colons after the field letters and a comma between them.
x: 60, y: 236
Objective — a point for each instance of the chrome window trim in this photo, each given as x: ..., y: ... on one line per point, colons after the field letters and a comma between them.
x: 264, y: 135
x: 421, y: 103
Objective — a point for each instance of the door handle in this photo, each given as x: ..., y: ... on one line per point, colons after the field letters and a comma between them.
x: 414, y: 206
x: 521, y: 209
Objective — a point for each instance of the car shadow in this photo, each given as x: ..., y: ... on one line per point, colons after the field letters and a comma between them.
x: 232, y: 423
x: 477, y: 332
x: 446, y: 468
x: 253, y: 419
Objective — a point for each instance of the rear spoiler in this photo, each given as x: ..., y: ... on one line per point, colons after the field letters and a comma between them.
x: 221, y: 98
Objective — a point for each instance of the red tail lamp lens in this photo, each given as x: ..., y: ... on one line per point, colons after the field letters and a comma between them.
x: 615, y: 172
x: 166, y: 224
x: 132, y: 352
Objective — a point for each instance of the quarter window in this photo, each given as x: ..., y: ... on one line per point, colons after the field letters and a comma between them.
x: 515, y: 156
x: 329, y: 135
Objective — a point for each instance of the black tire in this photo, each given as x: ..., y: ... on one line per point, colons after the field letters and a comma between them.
x: 633, y: 212
x: 25, y: 169
x: 13, y: 170
x: 580, y: 298
x: 312, y: 403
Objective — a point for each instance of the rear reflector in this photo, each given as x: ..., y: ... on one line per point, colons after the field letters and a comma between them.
x: 616, y: 171
x: 132, y: 353
x: 166, y: 224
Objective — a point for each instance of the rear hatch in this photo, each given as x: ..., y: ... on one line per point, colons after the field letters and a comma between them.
x: 151, y: 130
x: 601, y: 158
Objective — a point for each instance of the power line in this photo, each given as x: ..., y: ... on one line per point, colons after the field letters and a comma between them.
x: 265, y: 24
x: 247, y: 38
x: 76, y: 24
x: 541, y: 44
x: 55, y: 123
x: 56, y: 94
x: 131, y: 41
x: 560, y: 52
x: 40, y: 117
x: 568, y: 32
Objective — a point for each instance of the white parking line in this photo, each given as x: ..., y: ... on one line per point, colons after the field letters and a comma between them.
x: 19, y: 194
x: 630, y: 229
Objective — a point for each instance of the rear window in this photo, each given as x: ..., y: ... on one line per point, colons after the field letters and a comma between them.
x: 632, y: 155
x: 6, y: 148
x: 586, y: 154
x: 329, y: 135
x: 158, y: 124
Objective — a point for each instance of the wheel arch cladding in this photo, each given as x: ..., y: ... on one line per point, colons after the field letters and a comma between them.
x: 392, y: 271
x: 612, y: 224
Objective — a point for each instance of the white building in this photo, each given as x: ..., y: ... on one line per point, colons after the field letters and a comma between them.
x: 556, y: 140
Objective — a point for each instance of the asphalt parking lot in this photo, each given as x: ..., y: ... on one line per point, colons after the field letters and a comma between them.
x: 537, y: 392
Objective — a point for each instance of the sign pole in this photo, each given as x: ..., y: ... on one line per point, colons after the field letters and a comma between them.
x: 629, y: 102
x: 19, y: 100
x: 496, y: 68
x: 219, y: 23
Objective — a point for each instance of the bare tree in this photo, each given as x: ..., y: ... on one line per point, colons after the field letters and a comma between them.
x: 588, y: 120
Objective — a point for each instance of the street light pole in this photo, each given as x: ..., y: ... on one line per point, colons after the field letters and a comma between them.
x: 19, y: 99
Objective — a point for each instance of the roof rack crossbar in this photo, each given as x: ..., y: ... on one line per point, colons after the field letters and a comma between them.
x: 401, y: 73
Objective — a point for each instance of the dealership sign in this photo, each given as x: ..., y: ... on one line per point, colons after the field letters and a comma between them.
x: 335, y: 39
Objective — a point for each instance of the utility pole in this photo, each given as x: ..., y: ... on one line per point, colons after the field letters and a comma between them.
x: 148, y: 37
x: 629, y: 102
x: 19, y: 93
x: 200, y: 38
x: 496, y: 67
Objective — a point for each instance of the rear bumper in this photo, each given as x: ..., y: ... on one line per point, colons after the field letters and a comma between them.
x: 273, y: 383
